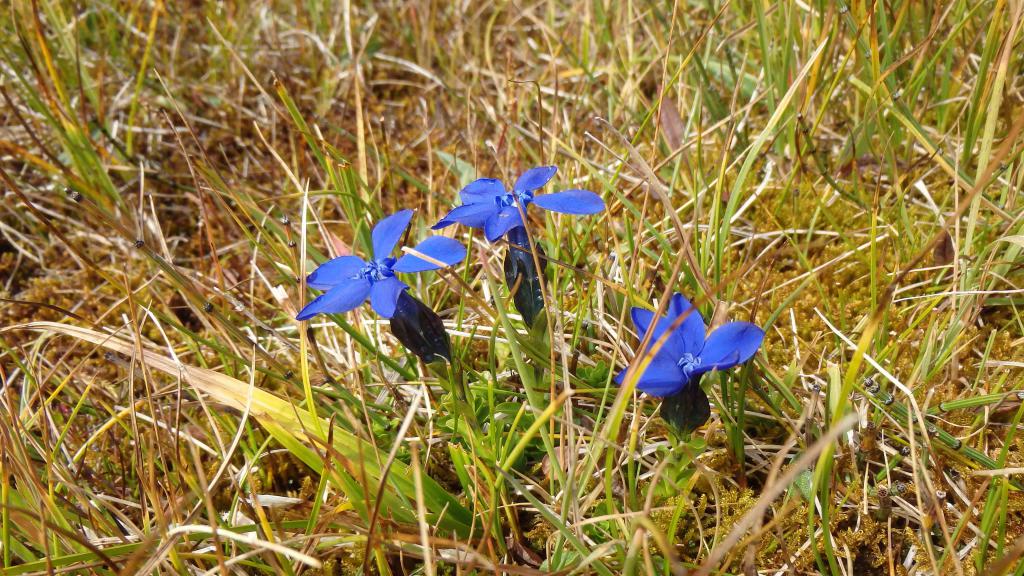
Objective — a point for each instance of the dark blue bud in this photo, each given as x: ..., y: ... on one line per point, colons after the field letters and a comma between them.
x: 522, y: 277
x: 420, y: 329
x: 687, y: 409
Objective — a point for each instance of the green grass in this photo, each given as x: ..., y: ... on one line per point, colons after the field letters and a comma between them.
x: 846, y: 175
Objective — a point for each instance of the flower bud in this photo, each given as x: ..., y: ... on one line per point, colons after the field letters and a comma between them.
x: 522, y: 277
x: 687, y: 409
x: 420, y: 329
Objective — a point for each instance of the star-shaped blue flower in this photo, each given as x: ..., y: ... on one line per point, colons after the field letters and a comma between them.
x: 487, y: 204
x: 349, y: 280
x: 688, y: 353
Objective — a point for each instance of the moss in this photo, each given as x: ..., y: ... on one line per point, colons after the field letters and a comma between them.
x: 439, y: 467
x: 286, y: 474
x: 867, y: 544
x: 351, y: 560
x: 539, y: 533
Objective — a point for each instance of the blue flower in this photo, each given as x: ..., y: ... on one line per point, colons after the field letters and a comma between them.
x: 487, y: 204
x: 687, y: 353
x: 349, y: 280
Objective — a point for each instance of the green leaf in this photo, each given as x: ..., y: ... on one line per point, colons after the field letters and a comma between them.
x: 803, y: 484
x: 464, y: 170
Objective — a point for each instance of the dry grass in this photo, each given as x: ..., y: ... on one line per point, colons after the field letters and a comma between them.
x: 847, y: 176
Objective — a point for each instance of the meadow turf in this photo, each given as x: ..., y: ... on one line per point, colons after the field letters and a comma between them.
x: 846, y: 175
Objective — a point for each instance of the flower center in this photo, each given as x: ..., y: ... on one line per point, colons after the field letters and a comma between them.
x: 509, y: 199
x: 688, y: 363
x: 377, y: 270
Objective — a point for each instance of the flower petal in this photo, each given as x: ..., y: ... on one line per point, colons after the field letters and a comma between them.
x: 505, y: 220
x: 692, y: 331
x: 341, y: 298
x: 729, y: 345
x: 472, y: 215
x: 388, y: 232
x: 335, y: 271
x: 662, y: 377
x: 439, y: 248
x: 642, y: 318
x: 482, y: 190
x: 535, y: 178
x: 571, y: 202
x: 687, y: 338
x: 384, y: 296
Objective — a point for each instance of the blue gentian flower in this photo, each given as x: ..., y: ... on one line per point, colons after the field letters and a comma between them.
x: 687, y: 352
x: 349, y: 280
x: 487, y: 204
